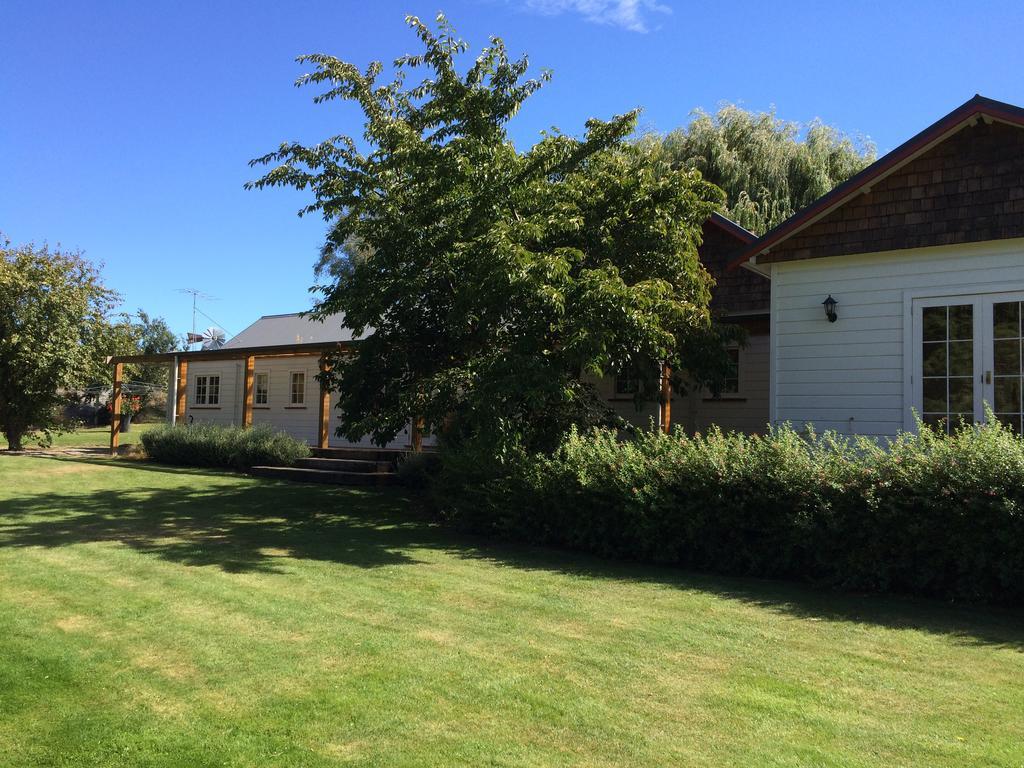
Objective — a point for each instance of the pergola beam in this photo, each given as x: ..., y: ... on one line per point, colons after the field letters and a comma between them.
x: 237, y: 353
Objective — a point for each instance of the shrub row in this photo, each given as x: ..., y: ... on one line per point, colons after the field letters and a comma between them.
x: 208, y: 445
x: 927, y: 514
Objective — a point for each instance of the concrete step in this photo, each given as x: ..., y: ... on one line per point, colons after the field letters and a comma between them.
x: 329, y: 477
x: 390, y: 455
x: 346, y: 465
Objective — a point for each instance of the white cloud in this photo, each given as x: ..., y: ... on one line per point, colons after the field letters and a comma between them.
x: 628, y: 14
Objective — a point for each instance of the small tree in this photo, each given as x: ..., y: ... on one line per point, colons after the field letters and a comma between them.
x: 493, y: 280
x: 53, y: 308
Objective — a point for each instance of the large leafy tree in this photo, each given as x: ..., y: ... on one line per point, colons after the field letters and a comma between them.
x: 53, y: 320
x: 768, y: 168
x: 488, y: 282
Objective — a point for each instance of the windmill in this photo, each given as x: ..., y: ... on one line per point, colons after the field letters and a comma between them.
x: 213, y: 337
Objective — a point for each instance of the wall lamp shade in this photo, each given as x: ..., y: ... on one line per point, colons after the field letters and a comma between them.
x: 830, y: 308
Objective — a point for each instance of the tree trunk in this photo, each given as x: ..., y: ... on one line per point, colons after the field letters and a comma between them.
x: 13, y: 440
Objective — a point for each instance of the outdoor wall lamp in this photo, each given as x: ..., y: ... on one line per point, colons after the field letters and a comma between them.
x: 830, y: 308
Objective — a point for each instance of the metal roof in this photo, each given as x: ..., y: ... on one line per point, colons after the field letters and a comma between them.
x: 295, y: 328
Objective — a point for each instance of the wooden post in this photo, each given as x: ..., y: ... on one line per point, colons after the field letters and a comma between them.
x: 115, y: 409
x: 416, y: 434
x: 325, y: 408
x: 247, y: 400
x: 666, y: 399
x: 182, y: 389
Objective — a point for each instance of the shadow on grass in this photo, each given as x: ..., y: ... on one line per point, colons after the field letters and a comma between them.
x: 242, y: 525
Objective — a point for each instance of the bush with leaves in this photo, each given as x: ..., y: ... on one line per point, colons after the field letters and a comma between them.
x: 929, y: 514
x: 210, y: 445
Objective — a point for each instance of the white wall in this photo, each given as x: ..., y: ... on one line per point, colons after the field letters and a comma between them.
x: 850, y: 375
x: 229, y: 410
x: 301, y: 422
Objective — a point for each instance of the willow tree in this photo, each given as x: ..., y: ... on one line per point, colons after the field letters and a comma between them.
x: 489, y: 282
x: 768, y: 168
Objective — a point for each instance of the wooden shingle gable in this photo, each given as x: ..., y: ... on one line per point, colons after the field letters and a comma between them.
x: 960, y: 180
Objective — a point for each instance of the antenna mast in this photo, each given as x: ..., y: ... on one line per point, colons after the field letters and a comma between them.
x: 196, y: 294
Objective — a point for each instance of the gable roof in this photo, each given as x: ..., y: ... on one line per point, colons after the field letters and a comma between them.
x: 731, y: 227
x: 294, y: 328
x: 966, y: 114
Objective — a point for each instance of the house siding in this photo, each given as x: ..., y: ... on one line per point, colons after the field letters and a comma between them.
x: 850, y: 375
x: 302, y: 422
x: 229, y: 410
x: 965, y: 189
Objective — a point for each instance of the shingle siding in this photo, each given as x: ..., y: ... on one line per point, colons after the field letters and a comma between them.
x: 738, y: 289
x: 969, y: 188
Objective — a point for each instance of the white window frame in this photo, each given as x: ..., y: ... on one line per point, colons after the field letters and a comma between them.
x: 206, y: 401
x: 291, y: 389
x: 983, y: 295
x: 256, y: 389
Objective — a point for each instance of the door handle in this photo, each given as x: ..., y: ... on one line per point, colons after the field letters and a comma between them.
x: 987, y: 377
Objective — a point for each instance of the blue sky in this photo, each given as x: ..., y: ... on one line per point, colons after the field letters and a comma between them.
x: 127, y: 127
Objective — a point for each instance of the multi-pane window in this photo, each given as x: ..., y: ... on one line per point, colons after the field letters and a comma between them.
x: 947, y: 362
x: 298, y: 388
x: 731, y: 384
x: 1006, y: 362
x: 207, y: 390
x: 626, y: 384
x: 261, y: 387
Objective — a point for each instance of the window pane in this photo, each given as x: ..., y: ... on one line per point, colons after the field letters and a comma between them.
x: 934, y: 323
x: 1007, y: 356
x: 961, y: 322
x: 961, y: 358
x: 213, y: 392
x: 961, y: 395
x: 934, y: 359
x: 1007, y: 394
x: 935, y: 396
x: 935, y: 421
x: 960, y: 420
x: 1011, y: 420
x: 1006, y: 320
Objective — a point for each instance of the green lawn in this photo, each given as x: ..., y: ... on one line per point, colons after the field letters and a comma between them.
x: 151, y: 616
x: 98, y: 437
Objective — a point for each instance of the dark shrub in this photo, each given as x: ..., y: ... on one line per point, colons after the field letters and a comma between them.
x: 927, y: 514
x: 416, y: 470
x: 208, y: 445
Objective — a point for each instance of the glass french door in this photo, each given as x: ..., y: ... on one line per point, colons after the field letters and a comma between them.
x: 967, y: 356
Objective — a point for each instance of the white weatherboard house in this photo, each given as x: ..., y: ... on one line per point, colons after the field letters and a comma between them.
x: 923, y: 252
x: 900, y: 291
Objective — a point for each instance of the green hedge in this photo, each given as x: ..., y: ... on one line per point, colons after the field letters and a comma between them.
x: 929, y: 514
x: 208, y: 445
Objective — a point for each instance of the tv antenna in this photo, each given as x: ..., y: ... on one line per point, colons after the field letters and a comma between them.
x: 196, y: 295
